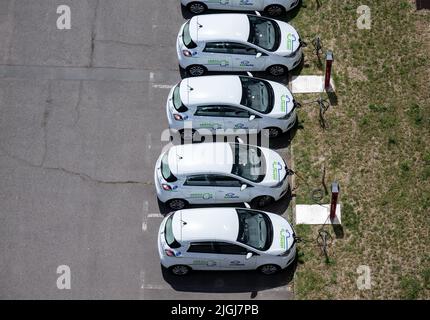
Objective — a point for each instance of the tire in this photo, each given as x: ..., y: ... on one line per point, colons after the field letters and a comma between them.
x: 272, y: 132
x: 277, y: 70
x: 269, y: 269
x: 197, y: 7
x: 196, y: 70
x: 177, y: 204
x: 180, y: 270
x: 275, y: 10
x: 262, y: 201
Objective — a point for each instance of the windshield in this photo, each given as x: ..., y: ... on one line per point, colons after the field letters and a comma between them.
x: 257, y: 95
x: 249, y: 162
x: 255, y: 229
x: 168, y: 234
x: 176, y: 99
x: 186, y: 37
x: 264, y: 33
x: 165, y: 169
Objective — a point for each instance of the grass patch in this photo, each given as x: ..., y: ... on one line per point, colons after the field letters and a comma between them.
x: 375, y: 145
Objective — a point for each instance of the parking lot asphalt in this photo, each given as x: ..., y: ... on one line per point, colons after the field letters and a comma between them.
x: 82, y: 115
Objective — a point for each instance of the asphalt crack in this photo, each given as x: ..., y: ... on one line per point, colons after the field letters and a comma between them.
x: 78, y: 104
x: 81, y: 175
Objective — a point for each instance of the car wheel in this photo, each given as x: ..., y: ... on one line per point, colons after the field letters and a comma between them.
x: 269, y: 269
x: 275, y: 10
x: 272, y: 132
x: 262, y: 201
x: 177, y: 204
x: 196, y: 7
x: 277, y: 70
x: 189, y: 135
x: 196, y: 70
x: 180, y: 270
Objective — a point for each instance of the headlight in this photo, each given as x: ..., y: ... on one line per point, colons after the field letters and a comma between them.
x: 288, y: 115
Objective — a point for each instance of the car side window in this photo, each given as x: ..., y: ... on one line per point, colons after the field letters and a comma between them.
x: 197, y: 180
x: 208, y: 111
x: 215, y: 47
x: 238, y: 48
x: 229, y: 248
x: 225, y: 181
x: 235, y: 112
x: 202, y: 247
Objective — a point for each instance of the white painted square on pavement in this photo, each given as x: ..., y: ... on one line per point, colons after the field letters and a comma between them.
x: 309, y: 84
x: 316, y: 214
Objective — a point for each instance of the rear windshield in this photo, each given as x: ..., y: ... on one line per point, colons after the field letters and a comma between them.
x: 168, y: 234
x: 186, y: 37
x: 177, y: 102
x: 165, y: 169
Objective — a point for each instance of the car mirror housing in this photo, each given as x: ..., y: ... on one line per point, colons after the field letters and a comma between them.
x: 243, y: 187
x: 249, y: 255
x: 252, y: 117
x: 258, y: 55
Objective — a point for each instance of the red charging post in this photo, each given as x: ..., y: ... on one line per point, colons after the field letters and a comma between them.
x: 328, y: 65
x: 334, y: 197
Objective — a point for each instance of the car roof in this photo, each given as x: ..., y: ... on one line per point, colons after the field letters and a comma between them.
x: 200, y: 158
x: 211, y: 89
x: 220, y: 27
x: 220, y: 224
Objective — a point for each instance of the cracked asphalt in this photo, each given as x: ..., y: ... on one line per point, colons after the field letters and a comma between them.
x: 82, y: 115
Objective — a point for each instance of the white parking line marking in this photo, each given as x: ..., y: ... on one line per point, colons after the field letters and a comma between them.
x: 155, y: 215
x: 162, y: 86
x: 155, y: 287
x: 145, y: 215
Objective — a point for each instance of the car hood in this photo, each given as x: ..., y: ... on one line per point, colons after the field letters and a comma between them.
x: 283, y: 235
x: 283, y: 100
x: 290, y: 39
x: 275, y: 168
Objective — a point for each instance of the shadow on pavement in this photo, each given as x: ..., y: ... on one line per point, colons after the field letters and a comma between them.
x: 229, y: 281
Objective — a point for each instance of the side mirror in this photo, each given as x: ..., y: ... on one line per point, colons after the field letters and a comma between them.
x: 243, y: 187
x: 252, y: 117
x: 239, y: 140
x: 248, y: 73
x: 247, y: 205
x: 257, y: 13
x: 258, y: 55
x: 249, y: 255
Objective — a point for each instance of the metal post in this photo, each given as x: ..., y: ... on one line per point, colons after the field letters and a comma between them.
x: 334, y: 196
x: 329, y: 62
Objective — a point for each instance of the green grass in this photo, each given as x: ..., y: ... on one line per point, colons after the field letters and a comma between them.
x: 376, y: 145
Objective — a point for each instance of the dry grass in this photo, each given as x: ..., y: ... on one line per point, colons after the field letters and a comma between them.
x: 377, y: 147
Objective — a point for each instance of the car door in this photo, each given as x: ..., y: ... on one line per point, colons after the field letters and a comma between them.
x: 203, y: 256
x: 216, y: 57
x: 208, y: 117
x: 248, y: 4
x: 234, y: 256
x: 239, y: 118
x: 198, y: 189
x: 229, y: 189
x: 246, y: 58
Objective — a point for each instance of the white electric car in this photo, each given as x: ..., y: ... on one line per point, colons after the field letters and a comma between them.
x: 271, y: 7
x: 225, y: 239
x: 238, y: 42
x: 208, y: 173
x: 231, y: 103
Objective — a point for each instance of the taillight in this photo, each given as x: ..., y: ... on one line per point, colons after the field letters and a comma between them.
x: 169, y: 253
x: 187, y: 53
x: 178, y: 117
x: 166, y: 187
